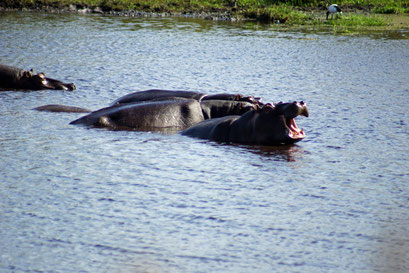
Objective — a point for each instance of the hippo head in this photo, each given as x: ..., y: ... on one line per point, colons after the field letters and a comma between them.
x: 40, y: 81
x: 275, y: 124
x: 251, y: 99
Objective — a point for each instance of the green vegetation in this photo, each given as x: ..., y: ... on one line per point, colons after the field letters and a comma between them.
x: 356, y: 12
x: 359, y: 20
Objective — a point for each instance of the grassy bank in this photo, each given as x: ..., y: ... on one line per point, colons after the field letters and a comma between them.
x: 359, y: 12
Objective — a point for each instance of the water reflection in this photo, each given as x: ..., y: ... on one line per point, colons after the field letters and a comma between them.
x: 289, y: 153
x: 157, y: 24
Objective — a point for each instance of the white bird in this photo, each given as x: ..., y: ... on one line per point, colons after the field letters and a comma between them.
x: 333, y: 9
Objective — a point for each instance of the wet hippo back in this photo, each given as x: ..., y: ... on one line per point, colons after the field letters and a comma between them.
x: 156, y: 94
x: 146, y: 116
x: 61, y: 108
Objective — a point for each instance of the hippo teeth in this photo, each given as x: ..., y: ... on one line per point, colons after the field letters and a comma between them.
x: 295, y: 132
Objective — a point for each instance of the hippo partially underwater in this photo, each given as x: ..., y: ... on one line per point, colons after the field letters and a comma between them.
x: 268, y: 125
x: 13, y: 78
x: 158, y: 94
x: 228, y: 118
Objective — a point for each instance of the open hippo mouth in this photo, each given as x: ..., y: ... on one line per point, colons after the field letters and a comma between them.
x: 294, y: 131
x: 291, y: 112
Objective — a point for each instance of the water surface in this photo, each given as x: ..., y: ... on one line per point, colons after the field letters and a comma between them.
x: 90, y: 200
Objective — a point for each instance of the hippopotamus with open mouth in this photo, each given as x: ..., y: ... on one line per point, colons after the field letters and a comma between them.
x: 12, y: 78
x: 222, y: 117
x: 268, y: 125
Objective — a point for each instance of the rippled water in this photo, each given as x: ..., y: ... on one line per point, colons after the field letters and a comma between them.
x: 89, y: 200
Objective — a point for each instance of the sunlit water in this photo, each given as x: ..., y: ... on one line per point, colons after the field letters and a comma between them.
x: 89, y: 200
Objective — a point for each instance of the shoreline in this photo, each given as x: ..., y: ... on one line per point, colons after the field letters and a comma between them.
x: 315, y: 15
x: 76, y: 9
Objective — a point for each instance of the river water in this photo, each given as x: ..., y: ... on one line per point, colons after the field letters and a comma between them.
x: 74, y: 199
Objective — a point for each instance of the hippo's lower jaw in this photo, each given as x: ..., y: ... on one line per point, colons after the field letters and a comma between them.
x: 294, y: 132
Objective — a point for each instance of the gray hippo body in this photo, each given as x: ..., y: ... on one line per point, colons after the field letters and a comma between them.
x: 12, y: 78
x: 146, y: 116
x: 157, y: 94
x: 156, y: 115
x: 269, y: 125
x: 220, y: 108
x: 61, y: 108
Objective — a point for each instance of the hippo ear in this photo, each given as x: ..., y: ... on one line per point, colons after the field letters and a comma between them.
x: 253, y: 100
x: 267, y: 108
x: 27, y: 74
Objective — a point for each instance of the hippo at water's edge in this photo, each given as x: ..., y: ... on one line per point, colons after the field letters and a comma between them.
x: 12, y: 78
x: 176, y: 113
x: 269, y: 125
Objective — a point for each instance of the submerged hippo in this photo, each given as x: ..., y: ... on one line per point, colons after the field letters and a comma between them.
x: 175, y: 113
x: 61, y: 108
x: 268, y: 125
x: 12, y: 78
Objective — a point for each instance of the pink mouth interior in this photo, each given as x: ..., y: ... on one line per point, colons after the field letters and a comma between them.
x: 295, y: 132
